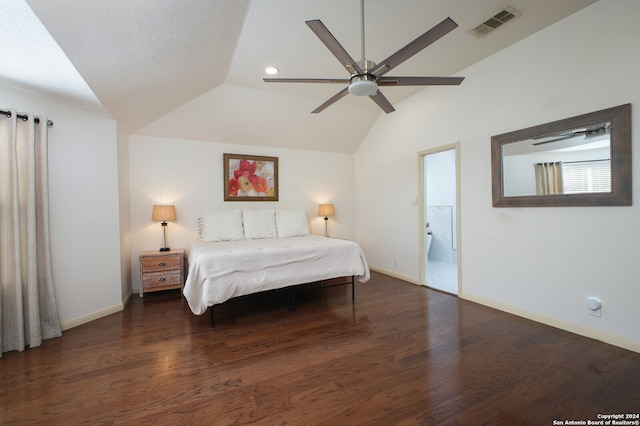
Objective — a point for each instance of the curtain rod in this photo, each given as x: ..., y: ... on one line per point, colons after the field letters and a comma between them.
x: 25, y: 117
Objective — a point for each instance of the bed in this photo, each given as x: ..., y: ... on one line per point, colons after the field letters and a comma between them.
x: 252, y: 261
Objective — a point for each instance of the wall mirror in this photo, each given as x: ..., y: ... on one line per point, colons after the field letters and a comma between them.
x: 579, y: 161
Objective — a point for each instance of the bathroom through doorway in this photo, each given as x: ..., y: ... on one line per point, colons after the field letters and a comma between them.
x: 439, y: 218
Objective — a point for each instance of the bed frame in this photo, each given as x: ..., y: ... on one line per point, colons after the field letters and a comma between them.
x: 291, y: 295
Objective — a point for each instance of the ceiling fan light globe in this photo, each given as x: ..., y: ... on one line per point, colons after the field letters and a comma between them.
x: 363, y: 87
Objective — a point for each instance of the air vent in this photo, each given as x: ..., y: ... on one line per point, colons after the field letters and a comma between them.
x: 494, y: 21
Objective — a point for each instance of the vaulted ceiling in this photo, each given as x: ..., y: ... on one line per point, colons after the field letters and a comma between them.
x: 193, y: 69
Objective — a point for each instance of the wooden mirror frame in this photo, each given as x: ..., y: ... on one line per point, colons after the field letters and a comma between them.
x: 620, y: 145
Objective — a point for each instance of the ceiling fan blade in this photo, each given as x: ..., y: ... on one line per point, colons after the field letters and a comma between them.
x: 341, y: 94
x: 562, y: 138
x: 382, y: 102
x: 306, y: 80
x: 414, y: 47
x: 419, y: 81
x: 334, y: 47
x: 589, y: 133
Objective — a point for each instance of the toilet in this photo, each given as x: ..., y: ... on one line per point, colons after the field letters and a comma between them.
x: 429, y: 238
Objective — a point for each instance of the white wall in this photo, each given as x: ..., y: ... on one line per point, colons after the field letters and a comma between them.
x: 123, y: 192
x: 84, y: 207
x: 541, y: 263
x: 189, y: 175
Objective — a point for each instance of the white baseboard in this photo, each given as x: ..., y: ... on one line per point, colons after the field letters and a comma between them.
x: 66, y: 325
x: 126, y: 298
x: 395, y: 275
x: 553, y: 322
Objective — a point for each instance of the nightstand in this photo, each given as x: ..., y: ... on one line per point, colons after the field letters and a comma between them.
x: 161, y: 270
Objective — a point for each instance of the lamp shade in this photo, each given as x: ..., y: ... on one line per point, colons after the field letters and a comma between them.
x: 326, y: 210
x: 163, y: 213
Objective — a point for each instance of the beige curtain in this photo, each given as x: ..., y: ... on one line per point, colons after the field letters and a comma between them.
x: 548, y: 178
x: 28, y: 312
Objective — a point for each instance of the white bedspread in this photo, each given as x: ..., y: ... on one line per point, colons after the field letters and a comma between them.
x: 222, y: 270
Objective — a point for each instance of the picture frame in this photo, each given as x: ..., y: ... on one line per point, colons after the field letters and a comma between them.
x: 250, y: 177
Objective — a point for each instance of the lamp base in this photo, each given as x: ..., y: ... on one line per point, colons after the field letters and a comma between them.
x: 164, y: 237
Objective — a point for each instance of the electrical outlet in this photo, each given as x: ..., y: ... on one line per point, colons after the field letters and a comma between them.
x: 395, y: 262
x: 594, y: 306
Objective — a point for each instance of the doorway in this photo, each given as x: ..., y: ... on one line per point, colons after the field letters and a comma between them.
x: 439, y: 200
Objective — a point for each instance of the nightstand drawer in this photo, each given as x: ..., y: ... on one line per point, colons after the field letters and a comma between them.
x: 161, y: 263
x: 161, y: 270
x: 161, y: 279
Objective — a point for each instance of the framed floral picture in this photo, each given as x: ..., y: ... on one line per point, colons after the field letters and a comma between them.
x: 250, y: 178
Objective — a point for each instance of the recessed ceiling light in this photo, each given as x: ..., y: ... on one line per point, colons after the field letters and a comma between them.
x: 271, y: 70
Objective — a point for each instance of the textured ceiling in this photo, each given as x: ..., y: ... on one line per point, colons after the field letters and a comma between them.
x: 193, y: 69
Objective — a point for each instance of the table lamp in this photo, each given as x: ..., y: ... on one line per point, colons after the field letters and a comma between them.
x: 326, y: 210
x: 163, y: 213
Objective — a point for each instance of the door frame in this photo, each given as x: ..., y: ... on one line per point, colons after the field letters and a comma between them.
x: 421, y: 210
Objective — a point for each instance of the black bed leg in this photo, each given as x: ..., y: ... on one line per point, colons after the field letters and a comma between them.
x: 291, y: 300
x: 212, y: 321
x: 353, y: 288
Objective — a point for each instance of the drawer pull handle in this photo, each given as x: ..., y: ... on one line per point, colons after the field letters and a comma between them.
x: 161, y: 264
x: 162, y: 280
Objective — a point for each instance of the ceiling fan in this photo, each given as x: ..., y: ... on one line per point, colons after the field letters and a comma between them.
x: 367, y: 76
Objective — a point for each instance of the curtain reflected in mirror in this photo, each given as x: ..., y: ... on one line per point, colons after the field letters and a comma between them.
x: 548, y: 178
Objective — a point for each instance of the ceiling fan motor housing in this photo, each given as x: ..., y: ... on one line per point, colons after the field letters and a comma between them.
x: 363, y: 85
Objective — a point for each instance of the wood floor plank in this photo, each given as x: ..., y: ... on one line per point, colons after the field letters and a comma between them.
x: 399, y: 355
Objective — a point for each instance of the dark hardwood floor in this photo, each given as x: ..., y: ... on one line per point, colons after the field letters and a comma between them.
x: 399, y: 355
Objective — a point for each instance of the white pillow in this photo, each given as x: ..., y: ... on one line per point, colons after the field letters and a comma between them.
x: 223, y: 225
x: 292, y: 223
x: 259, y: 224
